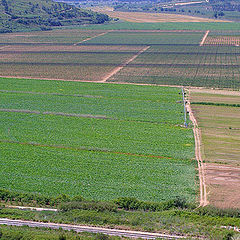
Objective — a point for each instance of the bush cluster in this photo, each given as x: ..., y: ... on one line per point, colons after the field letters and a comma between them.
x: 66, y: 203
x: 88, y: 205
x: 128, y: 203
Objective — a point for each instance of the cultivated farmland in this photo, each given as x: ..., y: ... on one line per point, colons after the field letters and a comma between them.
x: 95, y: 139
x: 93, y: 125
x: 165, y: 57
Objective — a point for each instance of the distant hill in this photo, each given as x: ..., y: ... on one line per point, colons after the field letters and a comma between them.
x: 17, y: 15
x: 225, y: 5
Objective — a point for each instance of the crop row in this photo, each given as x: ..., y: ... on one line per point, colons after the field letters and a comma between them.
x: 147, y: 38
x: 222, y: 76
x: 127, y: 109
x: 109, y: 135
x: 56, y: 36
x: 221, y: 59
x: 55, y: 71
x: 67, y: 58
x: 223, y: 40
x: 189, y: 49
x: 99, y: 176
x: 111, y: 91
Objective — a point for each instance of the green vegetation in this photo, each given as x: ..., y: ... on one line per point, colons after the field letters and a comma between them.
x: 216, y: 104
x: 72, y: 131
x: 20, y: 15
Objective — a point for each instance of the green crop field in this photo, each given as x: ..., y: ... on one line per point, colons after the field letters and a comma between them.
x: 202, y: 26
x: 147, y: 38
x: 60, y: 36
x: 101, y: 141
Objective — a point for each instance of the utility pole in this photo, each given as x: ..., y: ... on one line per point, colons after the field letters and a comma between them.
x: 185, y: 112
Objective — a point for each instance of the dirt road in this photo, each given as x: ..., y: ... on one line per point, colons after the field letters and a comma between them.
x: 201, y: 167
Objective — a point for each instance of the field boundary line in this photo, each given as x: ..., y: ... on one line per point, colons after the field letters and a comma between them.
x: 201, y: 167
x: 204, y: 38
x: 55, y: 113
x: 84, y: 228
x: 116, y: 70
x: 51, y: 94
x: 87, y: 39
x: 86, y: 149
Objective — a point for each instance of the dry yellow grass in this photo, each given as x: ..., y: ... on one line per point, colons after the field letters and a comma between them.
x: 220, y: 128
x: 140, y: 17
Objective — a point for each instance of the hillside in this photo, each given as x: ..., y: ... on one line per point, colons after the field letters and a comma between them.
x: 16, y: 15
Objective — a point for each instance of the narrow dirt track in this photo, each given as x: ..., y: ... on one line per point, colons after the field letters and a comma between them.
x: 204, y: 38
x: 116, y: 70
x: 201, y: 167
x: 98, y: 35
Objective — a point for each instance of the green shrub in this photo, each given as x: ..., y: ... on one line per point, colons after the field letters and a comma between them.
x: 213, y: 211
x: 129, y: 203
x: 88, y: 205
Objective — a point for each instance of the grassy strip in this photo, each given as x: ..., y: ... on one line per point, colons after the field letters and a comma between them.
x: 174, y: 216
x: 167, y: 26
x: 216, y: 104
x: 193, y: 223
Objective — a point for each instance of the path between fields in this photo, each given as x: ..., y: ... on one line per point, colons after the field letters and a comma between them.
x: 80, y: 228
x: 116, y: 70
x: 204, y: 38
x: 87, y: 39
x: 201, y: 167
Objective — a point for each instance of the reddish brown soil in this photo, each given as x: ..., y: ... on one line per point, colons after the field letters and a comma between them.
x: 223, y: 185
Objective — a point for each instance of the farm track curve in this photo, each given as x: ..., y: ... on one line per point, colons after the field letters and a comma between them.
x: 201, y: 168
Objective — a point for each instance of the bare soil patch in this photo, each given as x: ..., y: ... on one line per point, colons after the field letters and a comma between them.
x: 223, y: 185
x: 141, y: 17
